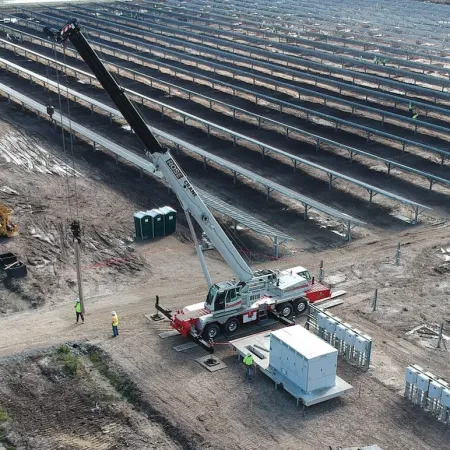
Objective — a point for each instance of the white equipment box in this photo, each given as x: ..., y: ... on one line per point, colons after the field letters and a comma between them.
x: 303, y: 358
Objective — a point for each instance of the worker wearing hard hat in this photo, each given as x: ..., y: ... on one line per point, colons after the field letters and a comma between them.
x: 115, y: 324
x: 248, y: 362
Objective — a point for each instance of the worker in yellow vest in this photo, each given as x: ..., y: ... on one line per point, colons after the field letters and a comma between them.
x: 248, y: 362
x: 115, y: 324
x: 78, y: 310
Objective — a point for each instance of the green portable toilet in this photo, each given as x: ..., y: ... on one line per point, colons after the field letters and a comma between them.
x: 170, y: 219
x: 143, y: 225
x: 158, y: 222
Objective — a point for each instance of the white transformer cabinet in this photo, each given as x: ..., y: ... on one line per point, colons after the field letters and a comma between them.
x: 303, y: 358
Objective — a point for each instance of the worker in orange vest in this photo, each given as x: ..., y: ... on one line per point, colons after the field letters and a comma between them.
x: 115, y: 324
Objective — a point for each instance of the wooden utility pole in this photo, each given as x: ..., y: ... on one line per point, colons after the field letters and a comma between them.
x: 76, y: 233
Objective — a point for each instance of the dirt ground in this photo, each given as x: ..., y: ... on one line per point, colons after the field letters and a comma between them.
x: 137, y: 392
x: 219, y: 410
x: 216, y: 410
x: 75, y: 405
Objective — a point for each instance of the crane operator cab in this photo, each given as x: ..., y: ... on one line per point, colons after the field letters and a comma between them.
x: 224, y: 297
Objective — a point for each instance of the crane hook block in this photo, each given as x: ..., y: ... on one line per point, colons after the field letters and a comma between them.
x: 50, y: 111
x: 75, y: 228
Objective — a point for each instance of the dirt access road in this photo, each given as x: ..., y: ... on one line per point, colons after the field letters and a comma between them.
x: 219, y: 410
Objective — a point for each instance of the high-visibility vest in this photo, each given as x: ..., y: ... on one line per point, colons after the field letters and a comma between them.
x: 248, y: 360
x: 115, y: 321
x: 78, y: 307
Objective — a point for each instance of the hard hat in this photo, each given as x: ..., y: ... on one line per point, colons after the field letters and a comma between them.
x: 113, y: 313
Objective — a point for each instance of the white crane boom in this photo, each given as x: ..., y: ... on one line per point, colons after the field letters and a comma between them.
x: 163, y: 160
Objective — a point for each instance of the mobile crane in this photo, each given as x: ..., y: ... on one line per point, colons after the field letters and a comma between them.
x: 249, y: 296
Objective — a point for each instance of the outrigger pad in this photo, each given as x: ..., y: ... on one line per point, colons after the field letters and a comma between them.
x: 211, y: 362
x: 156, y: 317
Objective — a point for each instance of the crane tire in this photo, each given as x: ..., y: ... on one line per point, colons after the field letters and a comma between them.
x: 300, y: 306
x: 232, y: 325
x: 285, y: 309
x: 211, y: 331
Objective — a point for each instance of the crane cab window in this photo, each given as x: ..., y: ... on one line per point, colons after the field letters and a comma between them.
x: 305, y: 274
x: 219, y: 304
x: 231, y: 296
x: 211, y: 294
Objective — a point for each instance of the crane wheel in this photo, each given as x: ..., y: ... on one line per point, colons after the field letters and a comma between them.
x: 285, y: 309
x: 300, y: 306
x: 232, y: 325
x: 211, y: 331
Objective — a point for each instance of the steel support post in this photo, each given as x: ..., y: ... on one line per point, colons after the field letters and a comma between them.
x: 441, y: 332
x: 398, y: 254
x: 321, y: 272
x: 375, y: 300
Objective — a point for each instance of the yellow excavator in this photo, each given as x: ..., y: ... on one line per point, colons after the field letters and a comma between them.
x: 7, y: 228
